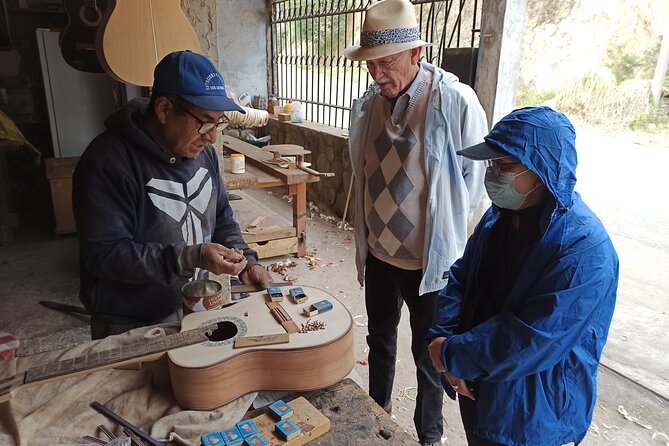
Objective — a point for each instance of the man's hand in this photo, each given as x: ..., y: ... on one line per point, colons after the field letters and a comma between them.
x: 218, y: 259
x: 257, y: 275
x: 458, y: 384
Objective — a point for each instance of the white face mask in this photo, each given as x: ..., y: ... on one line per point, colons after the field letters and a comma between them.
x: 501, y: 188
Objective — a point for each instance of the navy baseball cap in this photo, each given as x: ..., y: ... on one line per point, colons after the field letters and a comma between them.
x: 193, y: 77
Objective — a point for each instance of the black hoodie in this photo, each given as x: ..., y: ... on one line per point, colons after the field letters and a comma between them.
x: 142, y: 216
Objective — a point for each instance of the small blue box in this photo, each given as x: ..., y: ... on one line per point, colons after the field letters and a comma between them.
x: 317, y: 308
x: 275, y: 294
x: 247, y: 428
x: 256, y: 440
x: 232, y: 436
x: 279, y: 410
x: 212, y: 439
x: 287, y: 429
x: 298, y: 295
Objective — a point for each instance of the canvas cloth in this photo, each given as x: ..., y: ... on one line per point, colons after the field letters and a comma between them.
x: 59, y: 413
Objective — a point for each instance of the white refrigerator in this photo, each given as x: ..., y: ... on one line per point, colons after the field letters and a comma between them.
x: 78, y: 102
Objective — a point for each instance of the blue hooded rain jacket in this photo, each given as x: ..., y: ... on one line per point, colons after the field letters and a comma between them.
x: 536, y: 361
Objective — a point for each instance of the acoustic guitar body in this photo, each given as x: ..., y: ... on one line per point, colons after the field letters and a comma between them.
x: 136, y: 34
x: 213, y: 373
x: 77, y: 41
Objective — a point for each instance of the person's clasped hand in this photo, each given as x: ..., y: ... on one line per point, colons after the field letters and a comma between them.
x: 458, y: 384
x: 218, y: 259
x: 258, y: 275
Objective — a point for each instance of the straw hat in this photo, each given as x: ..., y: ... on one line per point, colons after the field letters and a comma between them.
x: 390, y: 27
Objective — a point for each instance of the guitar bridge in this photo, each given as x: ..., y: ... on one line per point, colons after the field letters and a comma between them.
x: 282, y: 317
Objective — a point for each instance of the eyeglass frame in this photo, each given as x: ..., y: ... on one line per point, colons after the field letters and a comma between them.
x: 219, y: 126
x: 384, y: 66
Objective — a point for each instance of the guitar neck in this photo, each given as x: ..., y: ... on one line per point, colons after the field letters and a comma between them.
x: 106, y: 358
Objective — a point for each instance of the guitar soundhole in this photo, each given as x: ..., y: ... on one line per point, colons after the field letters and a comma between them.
x: 225, y: 330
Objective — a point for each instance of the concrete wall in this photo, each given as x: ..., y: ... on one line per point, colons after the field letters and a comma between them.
x: 329, y: 153
x: 242, y: 45
x: 202, y: 15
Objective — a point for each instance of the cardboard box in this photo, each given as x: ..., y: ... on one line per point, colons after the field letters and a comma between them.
x: 59, y: 172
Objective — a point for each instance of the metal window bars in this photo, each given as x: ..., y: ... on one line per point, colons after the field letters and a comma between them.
x: 308, y: 38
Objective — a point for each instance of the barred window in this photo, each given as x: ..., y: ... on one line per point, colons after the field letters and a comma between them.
x: 308, y: 38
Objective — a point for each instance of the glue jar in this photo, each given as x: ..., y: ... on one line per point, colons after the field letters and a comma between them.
x: 237, y: 163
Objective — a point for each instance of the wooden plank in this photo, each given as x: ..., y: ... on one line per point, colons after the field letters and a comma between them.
x: 272, y: 234
x: 299, y: 193
x: 268, y: 339
x: 251, y: 178
x: 256, y: 157
x: 257, y: 222
x: 274, y: 248
x: 311, y: 421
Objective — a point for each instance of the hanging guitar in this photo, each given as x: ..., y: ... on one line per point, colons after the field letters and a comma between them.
x: 136, y: 34
x: 220, y: 355
x: 77, y: 42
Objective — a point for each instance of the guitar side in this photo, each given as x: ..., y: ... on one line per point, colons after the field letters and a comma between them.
x: 211, y: 374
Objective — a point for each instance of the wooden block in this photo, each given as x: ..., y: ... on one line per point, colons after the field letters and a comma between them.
x: 311, y: 421
x: 275, y: 248
x: 285, y: 117
x: 254, y: 341
x: 269, y: 233
x: 258, y: 222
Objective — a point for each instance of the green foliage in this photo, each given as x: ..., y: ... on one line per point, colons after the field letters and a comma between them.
x: 626, y: 62
x: 314, y: 36
x: 527, y: 95
x: 650, y: 122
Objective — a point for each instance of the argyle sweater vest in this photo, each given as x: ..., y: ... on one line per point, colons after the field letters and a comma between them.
x: 395, y: 186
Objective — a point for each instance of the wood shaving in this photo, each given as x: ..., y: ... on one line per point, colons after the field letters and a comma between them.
x: 312, y: 325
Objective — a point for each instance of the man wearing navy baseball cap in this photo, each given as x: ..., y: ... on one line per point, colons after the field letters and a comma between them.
x: 150, y: 206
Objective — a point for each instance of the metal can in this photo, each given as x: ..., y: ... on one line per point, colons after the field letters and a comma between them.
x: 202, y: 295
x: 237, y: 163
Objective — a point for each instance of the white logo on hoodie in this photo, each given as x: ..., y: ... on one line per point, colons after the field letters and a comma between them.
x: 188, y: 204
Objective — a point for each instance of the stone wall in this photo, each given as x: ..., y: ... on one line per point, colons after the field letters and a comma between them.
x: 329, y: 153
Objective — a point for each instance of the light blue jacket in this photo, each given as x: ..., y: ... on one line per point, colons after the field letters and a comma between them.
x: 455, y: 120
x: 536, y: 361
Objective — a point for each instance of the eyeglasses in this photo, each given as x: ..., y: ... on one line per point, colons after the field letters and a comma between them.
x: 369, y: 66
x: 206, y: 126
x: 514, y: 168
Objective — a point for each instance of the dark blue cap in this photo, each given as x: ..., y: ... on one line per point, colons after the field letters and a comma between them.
x: 193, y: 77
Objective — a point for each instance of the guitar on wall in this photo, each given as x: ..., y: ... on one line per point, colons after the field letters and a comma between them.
x: 136, y: 34
x: 207, y: 366
x: 77, y: 41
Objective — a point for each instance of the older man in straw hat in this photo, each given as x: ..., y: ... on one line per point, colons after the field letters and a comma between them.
x: 414, y: 195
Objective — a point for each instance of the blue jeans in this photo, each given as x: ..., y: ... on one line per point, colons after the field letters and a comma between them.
x: 387, y: 288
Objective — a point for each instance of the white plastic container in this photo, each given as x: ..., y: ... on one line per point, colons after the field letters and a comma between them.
x: 296, y: 112
x: 237, y: 163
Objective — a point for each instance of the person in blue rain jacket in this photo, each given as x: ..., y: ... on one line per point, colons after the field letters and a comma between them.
x: 526, y: 311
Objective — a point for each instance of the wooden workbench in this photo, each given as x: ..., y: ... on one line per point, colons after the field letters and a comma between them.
x: 355, y: 419
x: 259, y: 174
